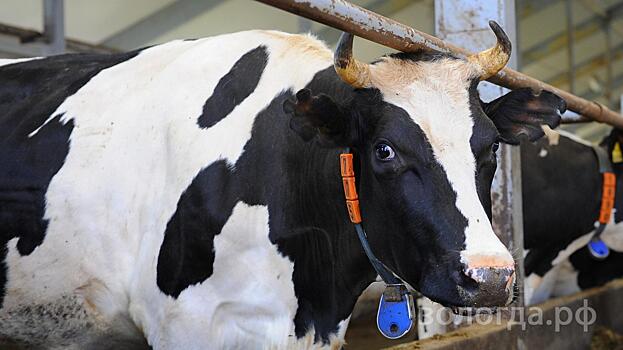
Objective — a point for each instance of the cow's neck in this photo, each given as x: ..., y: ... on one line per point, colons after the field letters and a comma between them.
x: 330, y: 269
x: 301, y: 184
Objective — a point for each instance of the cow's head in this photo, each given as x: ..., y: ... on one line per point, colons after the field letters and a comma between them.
x: 426, y: 156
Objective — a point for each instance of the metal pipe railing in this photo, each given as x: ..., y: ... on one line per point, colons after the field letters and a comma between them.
x: 369, y: 25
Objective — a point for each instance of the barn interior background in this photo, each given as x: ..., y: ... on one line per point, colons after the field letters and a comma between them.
x: 575, y: 45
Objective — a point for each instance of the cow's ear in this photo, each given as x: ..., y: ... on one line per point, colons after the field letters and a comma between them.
x: 614, y: 144
x: 522, y: 112
x: 616, y: 135
x: 319, y: 117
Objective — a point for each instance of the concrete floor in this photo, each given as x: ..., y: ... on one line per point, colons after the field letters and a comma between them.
x: 362, y: 334
x: 607, y: 301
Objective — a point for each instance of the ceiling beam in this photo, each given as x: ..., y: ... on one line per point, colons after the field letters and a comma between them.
x: 588, y: 66
x: 559, y: 41
x: 20, y: 42
x: 527, y: 8
x: 162, y: 21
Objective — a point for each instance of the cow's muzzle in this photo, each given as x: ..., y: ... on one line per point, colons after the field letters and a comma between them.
x: 487, y: 286
x: 486, y: 280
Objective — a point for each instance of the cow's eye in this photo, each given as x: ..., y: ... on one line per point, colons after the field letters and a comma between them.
x: 384, y: 152
x: 495, y: 146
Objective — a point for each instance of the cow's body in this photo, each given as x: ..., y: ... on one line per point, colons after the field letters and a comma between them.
x: 561, y: 199
x: 178, y: 193
x: 133, y: 157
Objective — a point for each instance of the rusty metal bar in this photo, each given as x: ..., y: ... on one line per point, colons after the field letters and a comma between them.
x: 348, y: 17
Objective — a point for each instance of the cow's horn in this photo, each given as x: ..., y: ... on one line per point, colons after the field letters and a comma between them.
x: 352, y: 72
x: 494, y: 59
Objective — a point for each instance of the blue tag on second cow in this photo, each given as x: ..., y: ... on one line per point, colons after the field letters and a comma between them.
x: 598, y: 249
x: 395, y: 318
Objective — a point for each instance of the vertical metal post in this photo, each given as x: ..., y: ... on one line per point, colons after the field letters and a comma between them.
x: 608, y: 39
x: 465, y: 23
x: 54, y: 26
x: 570, y: 45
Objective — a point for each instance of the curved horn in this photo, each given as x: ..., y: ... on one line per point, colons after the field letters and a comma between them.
x: 492, y: 60
x: 352, y: 72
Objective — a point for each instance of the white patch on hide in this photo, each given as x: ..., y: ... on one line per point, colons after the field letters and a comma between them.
x: 249, y: 300
x: 436, y: 96
x: 553, y: 137
x: 135, y: 147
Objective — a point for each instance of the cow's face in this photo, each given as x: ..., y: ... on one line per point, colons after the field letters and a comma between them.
x: 431, y: 156
x: 426, y: 155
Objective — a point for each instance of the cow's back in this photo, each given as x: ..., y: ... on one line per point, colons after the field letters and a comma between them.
x: 98, y: 151
x: 30, y: 92
x: 561, y: 200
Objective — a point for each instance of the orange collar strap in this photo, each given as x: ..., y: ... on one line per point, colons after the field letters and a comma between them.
x: 596, y: 247
x: 352, y: 203
x: 609, y: 185
x: 607, y: 197
x: 350, y: 190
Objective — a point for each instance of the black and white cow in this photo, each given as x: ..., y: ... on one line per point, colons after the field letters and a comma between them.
x: 192, y: 189
x: 562, y: 190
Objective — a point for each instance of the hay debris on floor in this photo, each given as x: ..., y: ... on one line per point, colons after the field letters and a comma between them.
x: 606, y: 339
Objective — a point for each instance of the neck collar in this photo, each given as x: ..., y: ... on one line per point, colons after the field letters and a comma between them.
x: 395, y: 315
x: 596, y: 246
x: 352, y: 204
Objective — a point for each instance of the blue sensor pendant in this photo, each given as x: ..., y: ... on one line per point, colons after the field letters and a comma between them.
x: 598, y: 249
x: 395, y: 318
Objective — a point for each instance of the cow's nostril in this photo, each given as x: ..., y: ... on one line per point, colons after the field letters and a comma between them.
x: 488, y: 285
x: 492, y: 276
